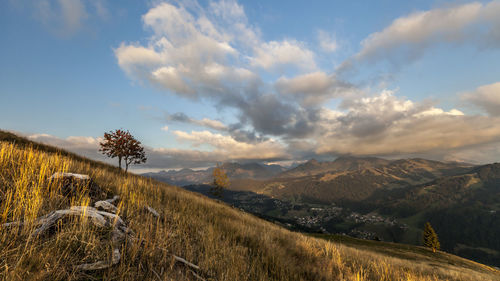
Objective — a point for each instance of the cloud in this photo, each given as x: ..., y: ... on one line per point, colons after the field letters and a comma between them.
x: 205, y: 122
x: 315, y: 82
x: 230, y: 149
x: 406, y: 38
x: 230, y: 11
x: 136, y: 60
x: 387, y: 125
x: 72, y: 141
x: 164, y: 128
x: 486, y: 97
x: 66, y: 17
x: 73, y: 13
x: 207, y: 53
x: 188, y: 54
x: 229, y: 17
x: 327, y: 42
x: 286, y: 53
x: 211, y: 54
x: 100, y: 8
x: 314, y: 88
x: 171, y: 78
x: 270, y: 115
x: 86, y: 146
x: 214, y: 124
x: 478, y: 154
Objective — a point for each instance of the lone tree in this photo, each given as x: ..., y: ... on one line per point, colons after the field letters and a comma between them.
x: 220, y: 182
x: 430, y: 238
x: 122, y: 144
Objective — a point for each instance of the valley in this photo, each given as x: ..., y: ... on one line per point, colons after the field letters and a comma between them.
x: 375, y: 199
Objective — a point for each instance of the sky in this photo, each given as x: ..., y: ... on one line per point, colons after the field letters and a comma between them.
x: 201, y: 82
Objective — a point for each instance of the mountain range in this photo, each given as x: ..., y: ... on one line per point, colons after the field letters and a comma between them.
x: 462, y: 201
x: 233, y: 170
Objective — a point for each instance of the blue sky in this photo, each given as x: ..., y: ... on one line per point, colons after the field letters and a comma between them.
x: 271, y: 81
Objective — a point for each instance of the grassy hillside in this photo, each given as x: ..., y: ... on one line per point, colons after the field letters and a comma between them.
x: 226, y: 243
x: 417, y: 254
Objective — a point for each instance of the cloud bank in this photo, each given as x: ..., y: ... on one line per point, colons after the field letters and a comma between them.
x: 222, y: 149
x: 407, y: 38
x: 486, y: 97
x: 205, y: 122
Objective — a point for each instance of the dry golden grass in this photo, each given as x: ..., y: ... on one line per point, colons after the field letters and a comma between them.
x: 226, y: 243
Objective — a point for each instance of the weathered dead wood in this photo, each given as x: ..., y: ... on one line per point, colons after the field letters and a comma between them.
x: 119, y: 231
x: 115, y: 259
x: 12, y: 224
x: 98, y: 218
x: 192, y: 265
x: 105, y: 206
x: 152, y: 211
x: 105, y: 219
x: 156, y: 274
x: 59, y: 175
x: 194, y: 269
x: 114, y: 199
x: 197, y: 276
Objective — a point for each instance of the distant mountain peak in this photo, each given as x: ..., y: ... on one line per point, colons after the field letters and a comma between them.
x: 346, y: 157
x: 185, y: 170
x: 313, y: 162
x: 358, y: 158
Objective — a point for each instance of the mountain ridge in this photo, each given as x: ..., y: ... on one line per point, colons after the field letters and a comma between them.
x: 411, y: 190
x: 233, y: 170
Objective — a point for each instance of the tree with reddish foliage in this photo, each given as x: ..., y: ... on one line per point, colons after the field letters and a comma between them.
x: 122, y: 144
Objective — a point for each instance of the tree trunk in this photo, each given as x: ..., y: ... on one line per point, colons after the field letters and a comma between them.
x: 120, y: 162
x: 126, y: 163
